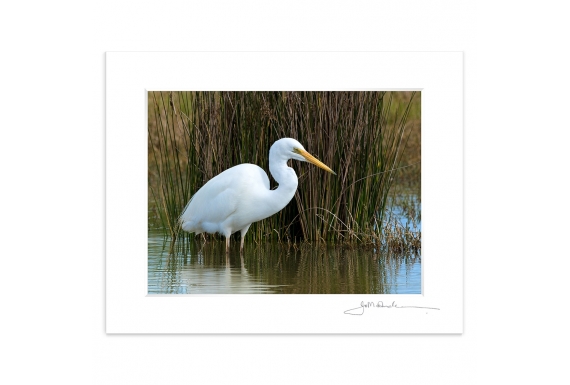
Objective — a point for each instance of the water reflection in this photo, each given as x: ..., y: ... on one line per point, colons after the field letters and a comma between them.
x: 278, y: 268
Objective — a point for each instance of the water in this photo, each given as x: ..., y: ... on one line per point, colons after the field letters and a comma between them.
x: 274, y: 268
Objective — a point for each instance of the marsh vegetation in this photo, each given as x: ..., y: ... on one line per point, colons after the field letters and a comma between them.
x: 365, y: 136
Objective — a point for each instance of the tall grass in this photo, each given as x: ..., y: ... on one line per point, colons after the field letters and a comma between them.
x: 193, y: 136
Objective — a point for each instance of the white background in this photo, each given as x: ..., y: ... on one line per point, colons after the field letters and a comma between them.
x: 52, y: 192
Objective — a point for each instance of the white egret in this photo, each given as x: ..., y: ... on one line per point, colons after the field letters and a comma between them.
x: 239, y: 196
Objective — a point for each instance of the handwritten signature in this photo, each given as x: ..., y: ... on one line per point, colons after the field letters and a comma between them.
x: 380, y: 304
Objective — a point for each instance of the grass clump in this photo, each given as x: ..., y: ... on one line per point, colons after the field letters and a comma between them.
x: 362, y: 136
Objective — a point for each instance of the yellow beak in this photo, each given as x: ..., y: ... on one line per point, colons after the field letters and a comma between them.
x: 313, y: 160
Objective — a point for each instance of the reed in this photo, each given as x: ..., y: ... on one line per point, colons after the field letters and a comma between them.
x: 362, y: 136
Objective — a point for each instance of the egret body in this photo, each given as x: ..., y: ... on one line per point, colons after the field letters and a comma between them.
x: 239, y: 196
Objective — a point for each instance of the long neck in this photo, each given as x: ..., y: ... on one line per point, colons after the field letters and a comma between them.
x: 287, y: 179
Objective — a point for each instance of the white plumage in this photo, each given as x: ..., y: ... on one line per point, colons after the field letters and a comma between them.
x: 239, y: 196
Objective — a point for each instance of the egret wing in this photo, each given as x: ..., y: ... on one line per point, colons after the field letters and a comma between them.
x: 220, y: 197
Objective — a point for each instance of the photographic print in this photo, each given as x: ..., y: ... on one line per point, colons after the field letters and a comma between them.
x: 284, y: 192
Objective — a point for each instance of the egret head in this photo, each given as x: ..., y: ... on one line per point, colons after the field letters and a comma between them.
x: 289, y: 148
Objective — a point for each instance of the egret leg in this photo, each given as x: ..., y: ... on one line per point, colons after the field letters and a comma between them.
x: 243, y: 231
